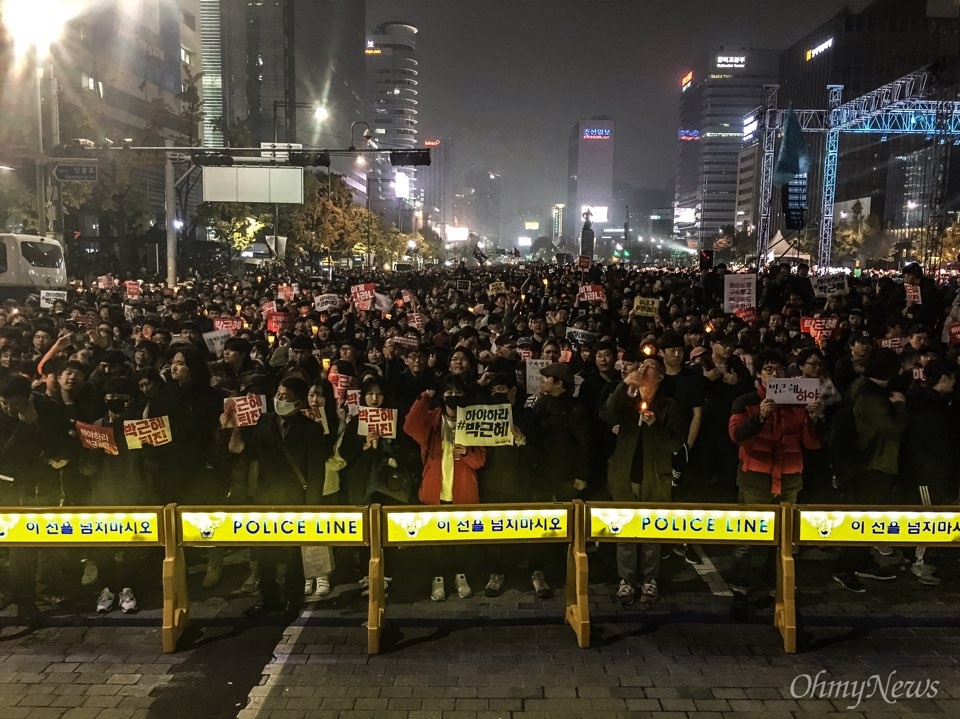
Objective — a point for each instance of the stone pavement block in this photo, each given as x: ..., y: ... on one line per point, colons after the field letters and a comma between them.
x: 336, y: 703
x: 678, y: 705
x: 423, y: 714
x: 711, y: 705
x: 135, y: 702
x: 471, y: 704
x: 106, y: 690
x: 590, y: 691
x: 635, y: 705
x: 9, y: 712
x: 501, y: 692
x: 123, y: 678
x: 34, y: 700
x: 67, y: 700
x: 80, y: 713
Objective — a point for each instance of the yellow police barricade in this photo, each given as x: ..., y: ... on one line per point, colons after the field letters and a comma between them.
x: 246, y: 526
x: 847, y: 525
x: 480, y: 524
x: 678, y: 523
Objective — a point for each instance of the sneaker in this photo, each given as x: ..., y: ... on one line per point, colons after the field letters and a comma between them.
x: 127, y: 602
x: 463, y: 588
x: 884, y: 551
x: 494, y: 585
x: 308, y: 587
x: 105, y: 601
x: 540, y: 585
x: 626, y: 593
x: 437, y: 592
x: 924, y: 573
x: 849, y: 581
x: 251, y: 585
x: 91, y: 573
x: 211, y: 578
x: 649, y: 593
x: 738, y: 589
x: 324, y: 587
x: 691, y: 555
x: 883, y: 575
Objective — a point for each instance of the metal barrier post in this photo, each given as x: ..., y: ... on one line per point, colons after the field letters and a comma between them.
x: 785, y: 609
x: 375, y: 576
x: 577, y: 611
x: 176, y: 603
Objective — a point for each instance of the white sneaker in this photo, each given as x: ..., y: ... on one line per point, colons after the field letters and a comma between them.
x: 91, y: 573
x: 884, y: 550
x: 324, y: 587
x: 626, y: 594
x: 105, y: 601
x: 437, y: 592
x: 463, y: 588
x: 127, y: 602
x: 649, y: 593
x: 308, y: 587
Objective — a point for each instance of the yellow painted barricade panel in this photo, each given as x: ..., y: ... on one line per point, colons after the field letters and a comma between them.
x: 286, y: 525
x: 489, y: 524
x: 677, y: 523
x: 877, y: 526
x: 80, y: 526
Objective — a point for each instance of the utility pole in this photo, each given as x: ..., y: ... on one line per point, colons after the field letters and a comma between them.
x: 39, y: 159
x: 169, y: 202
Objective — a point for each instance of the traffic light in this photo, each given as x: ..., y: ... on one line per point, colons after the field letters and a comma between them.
x: 310, y: 159
x: 212, y: 159
x: 410, y: 158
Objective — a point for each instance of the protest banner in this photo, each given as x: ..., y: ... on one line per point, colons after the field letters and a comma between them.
x: 646, y: 306
x: 827, y: 285
x: 407, y: 343
x: 216, y: 340
x: 378, y: 420
x: 278, y: 321
x: 591, y: 293
x: 341, y: 383
x: 918, y: 374
x: 230, y: 324
x: 913, y: 293
x: 363, y: 295
x: 416, y: 319
x: 747, y: 314
x: 132, y: 288
x: 484, y: 425
x: 497, y: 288
x: 87, y: 320
x: 286, y: 292
x: 580, y: 337
x: 739, y: 291
x: 821, y: 327
x: 382, y: 302
x: 104, y: 282
x: 353, y: 402
x: 895, y: 343
x: 244, y: 411
x: 463, y: 286
x: 95, y: 437
x: 326, y: 302
x: 268, y: 307
x: 534, y: 378
x: 48, y: 297
x: 796, y: 390
x: 154, y: 431
x: 953, y: 332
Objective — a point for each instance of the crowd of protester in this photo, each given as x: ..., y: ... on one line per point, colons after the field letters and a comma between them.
x: 631, y: 407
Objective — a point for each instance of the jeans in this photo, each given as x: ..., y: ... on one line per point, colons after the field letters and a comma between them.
x: 638, y: 563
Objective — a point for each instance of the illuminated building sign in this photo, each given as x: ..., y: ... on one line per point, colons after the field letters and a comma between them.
x: 531, y: 225
x: 679, y: 525
x: 373, y: 51
x: 819, y: 49
x: 597, y: 214
x: 272, y: 527
x: 688, y: 135
x: 750, y: 125
x: 684, y: 215
x: 597, y: 133
x: 477, y: 524
x: 524, y: 241
x: 686, y: 81
x: 431, y: 143
x: 725, y: 61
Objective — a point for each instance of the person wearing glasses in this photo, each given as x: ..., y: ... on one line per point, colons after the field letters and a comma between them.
x: 771, y: 438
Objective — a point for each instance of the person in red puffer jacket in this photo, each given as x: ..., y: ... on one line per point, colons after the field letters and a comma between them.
x: 771, y: 438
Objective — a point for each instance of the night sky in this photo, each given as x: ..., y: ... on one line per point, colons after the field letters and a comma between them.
x: 506, y: 79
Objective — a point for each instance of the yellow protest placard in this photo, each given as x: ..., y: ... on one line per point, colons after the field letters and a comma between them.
x: 646, y: 306
x: 484, y: 425
x: 874, y: 527
x: 80, y: 527
x: 272, y: 527
x: 683, y: 525
x: 477, y: 525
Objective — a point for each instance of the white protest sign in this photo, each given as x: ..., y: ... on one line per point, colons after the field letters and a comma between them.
x: 739, y: 291
x: 646, y: 306
x: 580, y: 337
x: 48, y: 297
x: 827, y: 285
x: 216, y: 339
x: 497, y: 288
x: 326, y: 302
x: 797, y: 390
x: 379, y: 420
x: 534, y: 378
x: 484, y: 425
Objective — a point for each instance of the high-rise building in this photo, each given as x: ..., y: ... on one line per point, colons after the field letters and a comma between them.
x: 863, y: 50
x: 292, y: 71
x: 437, y: 180
x: 557, y: 219
x: 714, y: 96
x: 478, y: 206
x: 590, y: 173
x: 391, y: 67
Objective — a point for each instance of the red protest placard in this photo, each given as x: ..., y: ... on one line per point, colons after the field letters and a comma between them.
x: 95, y: 437
x: 821, y: 327
x: 747, y: 314
x: 953, y: 332
x: 895, y: 343
x: 132, y: 287
x: 377, y: 420
x: 584, y: 262
x: 416, y: 319
x: 913, y: 294
x: 234, y: 324
x: 278, y: 321
x: 363, y: 295
x: 268, y: 307
x: 154, y: 431
x: 341, y: 383
x: 591, y: 293
x: 245, y: 411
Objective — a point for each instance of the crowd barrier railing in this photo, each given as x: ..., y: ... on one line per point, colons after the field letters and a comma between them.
x: 852, y: 525
x: 250, y: 527
x: 463, y: 524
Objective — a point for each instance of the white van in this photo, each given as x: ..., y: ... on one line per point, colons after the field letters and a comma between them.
x: 28, y: 264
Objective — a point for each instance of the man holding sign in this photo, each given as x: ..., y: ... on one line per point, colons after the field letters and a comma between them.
x: 771, y: 437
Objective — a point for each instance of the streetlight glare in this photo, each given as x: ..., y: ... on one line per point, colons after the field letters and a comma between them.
x: 37, y: 25
x: 320, y: 113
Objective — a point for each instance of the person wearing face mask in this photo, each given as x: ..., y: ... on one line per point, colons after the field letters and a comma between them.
x: 449, y: 469
x: 292, y: 452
